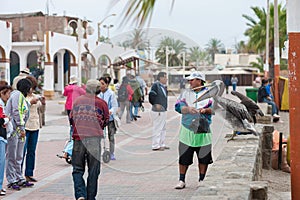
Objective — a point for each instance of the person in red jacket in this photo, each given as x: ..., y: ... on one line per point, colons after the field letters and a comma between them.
x: 72, y: 91
x: 89, y: 116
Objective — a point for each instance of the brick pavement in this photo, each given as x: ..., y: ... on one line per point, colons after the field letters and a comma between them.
x: 138, y: 172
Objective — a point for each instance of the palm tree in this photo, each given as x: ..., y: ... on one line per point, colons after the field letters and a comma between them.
x: 259, y: 64
x: 214, y: 46
x: 199, y: 57
x: 137, y: 40
x: 139, y: 11
x: 242, y: 47
x: 177, y: 47
x: 257, y: 30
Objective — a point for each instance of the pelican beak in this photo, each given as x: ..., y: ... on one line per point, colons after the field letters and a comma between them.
x: 211, y: 92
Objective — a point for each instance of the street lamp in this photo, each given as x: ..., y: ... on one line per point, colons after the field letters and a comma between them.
x: 80, y: 32
x: 183, y: 63
x: 99, y: 24
x: 108, y: 27
x: 167, y: 51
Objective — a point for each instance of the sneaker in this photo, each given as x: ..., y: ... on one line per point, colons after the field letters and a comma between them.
x: 200, y: 184
x: 276, y: 116
x: 180, y: 185
x: 112, y: 157
x: 14, y: 186
x: 2, y: 192
x: 159, y: 149
x: 25, y: 184
x: 81, y: 198
x: 30, y: 179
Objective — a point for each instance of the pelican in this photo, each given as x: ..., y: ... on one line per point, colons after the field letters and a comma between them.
x: 237, y: 114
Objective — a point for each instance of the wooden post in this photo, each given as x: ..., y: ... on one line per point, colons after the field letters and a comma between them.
x: 293, y: 28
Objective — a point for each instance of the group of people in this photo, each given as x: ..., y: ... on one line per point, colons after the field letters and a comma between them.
x: 89, y: 124
x: 20, y: 119
x: 264, y: 94
x: 191, y: 139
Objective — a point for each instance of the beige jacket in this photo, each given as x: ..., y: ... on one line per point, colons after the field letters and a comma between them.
x: 34, y: 122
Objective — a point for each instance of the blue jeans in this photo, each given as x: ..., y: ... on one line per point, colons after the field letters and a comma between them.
x: 2, y: 161
x: 274, y: 106
x: 29, y: 151
x: 86, y: 150
x: 135, y: 106
x: 234, y: 87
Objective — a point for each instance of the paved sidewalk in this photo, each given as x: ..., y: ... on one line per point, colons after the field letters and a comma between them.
x: 138, y: 172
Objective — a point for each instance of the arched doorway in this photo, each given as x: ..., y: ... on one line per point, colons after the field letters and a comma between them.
x: 14, y: 66
x: 103, y: 64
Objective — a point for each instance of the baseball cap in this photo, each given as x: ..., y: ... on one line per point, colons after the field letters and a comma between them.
x: 196, y: 75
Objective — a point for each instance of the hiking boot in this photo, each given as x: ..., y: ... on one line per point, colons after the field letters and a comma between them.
x: 25, y: 184
x: 180, y: 185
x: 14, y: 186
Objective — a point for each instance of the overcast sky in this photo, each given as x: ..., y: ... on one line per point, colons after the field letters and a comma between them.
x: 199, y: 20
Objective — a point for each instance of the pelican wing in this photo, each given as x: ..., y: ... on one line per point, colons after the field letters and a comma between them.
x: 251, y: 106
x: 235, y: 108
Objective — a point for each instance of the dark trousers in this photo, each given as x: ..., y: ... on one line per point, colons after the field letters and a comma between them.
x: 29, y: 151
x: 86, y: 150
x: 111, y: 136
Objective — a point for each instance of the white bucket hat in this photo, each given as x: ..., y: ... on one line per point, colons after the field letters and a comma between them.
x: 73, y: 79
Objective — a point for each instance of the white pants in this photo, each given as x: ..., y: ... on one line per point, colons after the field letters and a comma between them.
x: 159, y: 129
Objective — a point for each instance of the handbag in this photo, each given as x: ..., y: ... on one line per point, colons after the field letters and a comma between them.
x: 200, y: 124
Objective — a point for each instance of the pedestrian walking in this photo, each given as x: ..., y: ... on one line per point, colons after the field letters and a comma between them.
x: 89, y: 117
x: 195, y: 134
x: 158, y: 98
x: 110, y: 98
x: 72, y: 91
x: 234, y: 81
x: 125, y: 93
x: 137, y: 96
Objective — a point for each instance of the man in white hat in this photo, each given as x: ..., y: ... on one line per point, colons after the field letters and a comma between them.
x: 23, y: 73
x: 195, y: 134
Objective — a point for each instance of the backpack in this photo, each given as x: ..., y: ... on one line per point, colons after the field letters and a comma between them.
x: 261, y: 94
x: 122, y: 93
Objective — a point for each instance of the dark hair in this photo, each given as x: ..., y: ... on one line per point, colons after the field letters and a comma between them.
x: 33, y: 81
x: 108, y: 77
x: 161, y: 74
x: 24, y: 85
x: 3, y: 83
x: 270, y: 80
x: 5, y: 88
x: 104, y: 79
x: 264, y: 81
x: 116, y: 81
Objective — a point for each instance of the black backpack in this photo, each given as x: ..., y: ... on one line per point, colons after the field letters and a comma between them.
x: 122, y: 93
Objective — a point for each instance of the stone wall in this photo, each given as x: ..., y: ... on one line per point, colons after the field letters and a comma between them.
x: 235, y: 173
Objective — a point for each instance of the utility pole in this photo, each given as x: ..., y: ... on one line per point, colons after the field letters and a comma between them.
x: 276, y: 54
x: 293, y: 28
x: 266, y: 67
